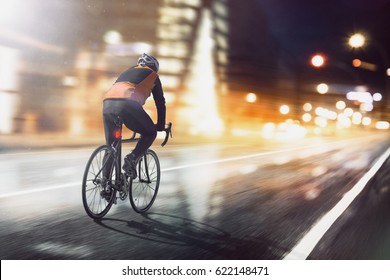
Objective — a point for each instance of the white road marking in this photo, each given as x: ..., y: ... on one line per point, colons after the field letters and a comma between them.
x: 72, y: 184
x: 306, y: 245
x: 64, y: 249
x: 232, y: 159
x: 67, y: 185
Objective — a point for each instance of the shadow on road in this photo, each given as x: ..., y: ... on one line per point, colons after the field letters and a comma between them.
x: 178, y: 231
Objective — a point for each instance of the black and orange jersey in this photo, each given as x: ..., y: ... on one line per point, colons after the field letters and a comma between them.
x: 137, y: 83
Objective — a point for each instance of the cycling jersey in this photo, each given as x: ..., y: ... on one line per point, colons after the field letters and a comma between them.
x: 134, y: 84
x: 137, y: 83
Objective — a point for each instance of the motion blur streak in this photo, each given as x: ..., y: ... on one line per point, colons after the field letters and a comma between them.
x: 216, y: 201
x: 310, y: 240
x: 165, y: 169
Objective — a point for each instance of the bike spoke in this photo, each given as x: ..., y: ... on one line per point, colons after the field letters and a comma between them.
x: 96, y: 201
x: 144, y: 189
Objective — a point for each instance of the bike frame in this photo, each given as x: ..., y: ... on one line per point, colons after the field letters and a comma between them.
x: 117, y: 148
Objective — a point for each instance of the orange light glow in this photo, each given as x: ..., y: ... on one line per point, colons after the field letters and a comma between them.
x: 356, y: 62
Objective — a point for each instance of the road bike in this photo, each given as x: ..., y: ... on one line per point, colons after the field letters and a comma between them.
x: 104, y: 182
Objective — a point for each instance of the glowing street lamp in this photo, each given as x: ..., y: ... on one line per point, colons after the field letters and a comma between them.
x: 307, y: 107
x: 251, y: 97
x: 112, y: 37
x: 377, y: 96
x: 357, y: 40
x: 322, y: 88
x: 284, y: 109
x: 306, y: 117
x: 340, y: 105
x: 366, y: 121
x: 318, y: 60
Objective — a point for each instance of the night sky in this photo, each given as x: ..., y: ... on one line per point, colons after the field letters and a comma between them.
x: 273, y: 41
x: 302, y: 27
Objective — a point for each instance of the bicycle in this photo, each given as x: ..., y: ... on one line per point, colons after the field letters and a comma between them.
x: 103, y: 182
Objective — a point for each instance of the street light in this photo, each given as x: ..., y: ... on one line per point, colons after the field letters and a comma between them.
x: 322, y: 88
x: 318, y: 60
x: 357, y: 40
x: 112, y: 37
x: 341, y: 105
x: 377, y: 96
x: 363, y: 64
x: 251, y: 97
x: 284, y: 109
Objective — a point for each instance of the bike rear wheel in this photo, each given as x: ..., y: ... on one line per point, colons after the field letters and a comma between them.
x: 144, y: 188
x: 100, y: 175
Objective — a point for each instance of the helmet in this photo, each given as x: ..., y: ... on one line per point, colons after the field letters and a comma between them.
x: 148, y: 60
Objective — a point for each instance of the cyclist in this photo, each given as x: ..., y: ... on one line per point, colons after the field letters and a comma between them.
x: 126, y: 98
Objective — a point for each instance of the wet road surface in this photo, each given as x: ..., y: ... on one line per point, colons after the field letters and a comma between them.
x: 216, y: 201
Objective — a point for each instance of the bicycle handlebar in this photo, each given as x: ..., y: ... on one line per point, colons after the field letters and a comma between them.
x: 168, y: 132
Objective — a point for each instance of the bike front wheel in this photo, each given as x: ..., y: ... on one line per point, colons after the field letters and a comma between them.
x: 144, y: 188
x: 100, y: 175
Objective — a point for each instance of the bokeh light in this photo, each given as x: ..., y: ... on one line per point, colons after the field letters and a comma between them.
x: 284, y: 109
x: 318, y: 60
x: 322, y: 88
x: 357, y: 40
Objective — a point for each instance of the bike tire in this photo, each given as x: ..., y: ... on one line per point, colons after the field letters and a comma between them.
x: 144, y: 188
x: 97, y: 202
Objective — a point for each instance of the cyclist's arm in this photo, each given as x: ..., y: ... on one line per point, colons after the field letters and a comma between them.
x: 159, y: 100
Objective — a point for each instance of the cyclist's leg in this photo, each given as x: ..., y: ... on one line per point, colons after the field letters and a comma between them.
x: 111, y: 109
x: 136, y: 119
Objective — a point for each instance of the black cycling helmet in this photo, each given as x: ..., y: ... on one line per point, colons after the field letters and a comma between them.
x: 148, y: 60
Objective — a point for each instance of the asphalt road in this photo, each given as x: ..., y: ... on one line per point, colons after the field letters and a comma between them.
x: 216, y: 201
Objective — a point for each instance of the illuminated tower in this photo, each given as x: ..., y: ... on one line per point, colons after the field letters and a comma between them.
x: 192, y: 49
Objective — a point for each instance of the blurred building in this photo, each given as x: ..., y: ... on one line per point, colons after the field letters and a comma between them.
x: 65, y: 55
x: 221, y: 68
x: 193, y: 51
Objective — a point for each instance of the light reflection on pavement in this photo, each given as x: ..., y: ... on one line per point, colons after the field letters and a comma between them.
x: 227, y: 200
